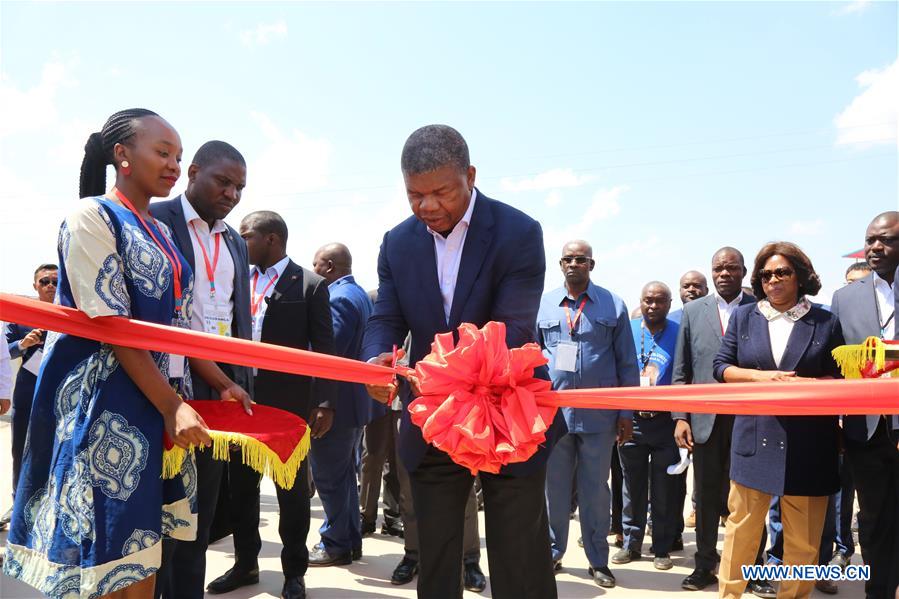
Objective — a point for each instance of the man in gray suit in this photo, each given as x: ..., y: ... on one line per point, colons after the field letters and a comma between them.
x: 867, y: 308
x: 708, y: 435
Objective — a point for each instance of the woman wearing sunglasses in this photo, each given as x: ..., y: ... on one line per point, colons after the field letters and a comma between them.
x: 783, y: 338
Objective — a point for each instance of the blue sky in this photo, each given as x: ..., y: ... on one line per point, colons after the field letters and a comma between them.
x: 657, y: 131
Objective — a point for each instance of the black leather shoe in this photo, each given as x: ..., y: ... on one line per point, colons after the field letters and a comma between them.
x: 405, y: 572
x: 602, y: 576
x: 294, y: 588
x: 475, y: 580
x: 625, y: 556
x: 698, y: 580
x: 678, y: 544
x: 393, y: 529
x: 762, y: 588
x: 367, y: 528
x: 357, y: 553
x: 233, y: 579
x: 320, y: 557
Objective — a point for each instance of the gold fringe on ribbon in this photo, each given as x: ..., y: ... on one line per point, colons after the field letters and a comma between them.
x: 853, y: 359
x: 254, y: 453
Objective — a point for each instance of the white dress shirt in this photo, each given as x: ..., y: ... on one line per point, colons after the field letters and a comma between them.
x: 883, y: 291
x: 779, y: 330
x: 205, y: 303
x: 449, y: 256
x: 726, y: 309
x: 262, y: 285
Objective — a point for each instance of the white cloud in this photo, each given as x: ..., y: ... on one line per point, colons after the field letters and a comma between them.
x: 264, y: 33
x: 604, y: 205
x: 873, y: 116
x: 856, y: 6
x: 34, y: 109
x: 551, y: 179
x: 807, y: 227
x: 554, y: 198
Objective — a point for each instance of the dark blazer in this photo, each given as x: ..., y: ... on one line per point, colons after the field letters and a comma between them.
x: 855, y: 307
x: 784, y: 455
x: 350, y: 310
x: 501, y: 278
x: 171, y: 213
x: 298, y: 315
x: 25, y: 381
x: 698, y: 340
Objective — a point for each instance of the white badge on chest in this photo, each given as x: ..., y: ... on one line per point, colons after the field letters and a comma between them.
x: 217, y: 320
x: 566, y: 356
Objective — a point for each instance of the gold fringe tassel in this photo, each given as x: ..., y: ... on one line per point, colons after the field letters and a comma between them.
x: 852, y: 359
x: 254, y: 453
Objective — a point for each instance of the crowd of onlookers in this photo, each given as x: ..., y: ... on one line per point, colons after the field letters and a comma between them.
x: 89, y: 418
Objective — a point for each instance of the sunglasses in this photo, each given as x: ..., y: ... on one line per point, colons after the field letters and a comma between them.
x: 45, y: 281
x: 575, y: 259
x: 780, y: 273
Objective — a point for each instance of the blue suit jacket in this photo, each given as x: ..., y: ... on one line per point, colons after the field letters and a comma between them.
x: 784, y: 455
x: 350, y: 309
x: 500, y: 278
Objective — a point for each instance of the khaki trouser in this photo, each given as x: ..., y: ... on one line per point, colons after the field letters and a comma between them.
x: 803, y: 521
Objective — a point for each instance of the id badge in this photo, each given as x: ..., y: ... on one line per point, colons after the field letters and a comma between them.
x: 217, y: 320
x: 176, y: 362
x: 33, y: 364
x: 645, y: 381
x: 566, y: 356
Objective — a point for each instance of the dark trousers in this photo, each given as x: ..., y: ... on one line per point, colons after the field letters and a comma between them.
x: 875, y: 469
x: 332, y: 460
x: 379, y: 459
x: 680, y: 496
x: 647, y: 456
x: 711, y: 469
x: 518, y: 552
x: 22, y: 396
x: 293, y: 522
x: 182, y: 574
x: 617, y: 492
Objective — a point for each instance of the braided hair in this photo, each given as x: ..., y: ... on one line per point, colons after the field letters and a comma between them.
x: 98, y: 151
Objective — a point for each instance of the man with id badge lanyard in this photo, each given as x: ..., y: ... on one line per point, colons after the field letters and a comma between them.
x: 866, y: 308
x: 584, y: 332
x: 647, y: 456
x: 221, y: 306
x: 27, y: 343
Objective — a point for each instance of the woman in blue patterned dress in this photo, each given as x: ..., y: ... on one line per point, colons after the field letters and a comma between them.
x: 91, y: 506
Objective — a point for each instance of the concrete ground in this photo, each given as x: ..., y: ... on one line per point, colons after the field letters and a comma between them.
x: 370, y: 577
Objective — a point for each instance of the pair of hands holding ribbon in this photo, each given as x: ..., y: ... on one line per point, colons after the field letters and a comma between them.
x: 385, y: 394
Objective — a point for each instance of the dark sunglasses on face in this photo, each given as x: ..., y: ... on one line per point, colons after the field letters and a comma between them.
x: 780, y: 273
x: 45, y: 281
x: 575, y: 259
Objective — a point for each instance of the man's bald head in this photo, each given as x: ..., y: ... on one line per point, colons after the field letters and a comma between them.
x: 693, y: 285
x: 333, y: 261
x: 655, y: 303
x: 882, y: 244
x: 578, y: 246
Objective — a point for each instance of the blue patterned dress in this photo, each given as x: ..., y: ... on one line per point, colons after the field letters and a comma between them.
x: 91, y: 506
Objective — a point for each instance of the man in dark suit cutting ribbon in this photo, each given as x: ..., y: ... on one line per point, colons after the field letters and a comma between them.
x: 462, y: 257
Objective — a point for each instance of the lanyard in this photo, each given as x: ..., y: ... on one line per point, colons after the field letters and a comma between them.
x: 883, y: 325
x: 257, y: 299
x: 572, y: 324
x: 644, y: 357
x: 168, y: 249
x: 210, y: 267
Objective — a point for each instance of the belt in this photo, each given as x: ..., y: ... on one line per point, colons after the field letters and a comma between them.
x: 647, y: 415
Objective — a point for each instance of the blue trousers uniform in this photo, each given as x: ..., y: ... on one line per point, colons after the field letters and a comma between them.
x: 333, y: 462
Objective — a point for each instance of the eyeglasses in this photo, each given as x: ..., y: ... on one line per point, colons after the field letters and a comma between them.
x: 45, y: 281
x: 780, y: 273
x: 575, y: 259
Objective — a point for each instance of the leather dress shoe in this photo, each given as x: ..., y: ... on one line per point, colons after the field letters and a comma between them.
x: 294, y: 588
x: 233, y: 579
x: 678, y: 544
x: 602, y: 576
x: 393, y: 529
x: 366, y: 528
x: 698, y: 580
x: 404, y: 572
x: 828, y: 587
x: 474, y: 579
x: 625, y: 556
x: 762, y: 588
x: 662, y: 562
x: 320, y: 557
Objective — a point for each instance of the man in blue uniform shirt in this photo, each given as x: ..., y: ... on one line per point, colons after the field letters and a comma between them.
x: 583, y: 330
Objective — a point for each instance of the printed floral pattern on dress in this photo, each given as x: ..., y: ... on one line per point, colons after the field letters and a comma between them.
x: 40, y: 517
x: 68, y: 397
x: 145, y: 263
x: 120, y: 577
x: 118, y: 454
x: 76, y: 502
x: 795, y: 313
x: 110, y: 285
x: 170, y: 522
x: 63, y: 240
x: 138, y: 541
x: 63, y: 584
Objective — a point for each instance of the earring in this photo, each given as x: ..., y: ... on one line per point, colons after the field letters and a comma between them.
x: 126, y: 168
